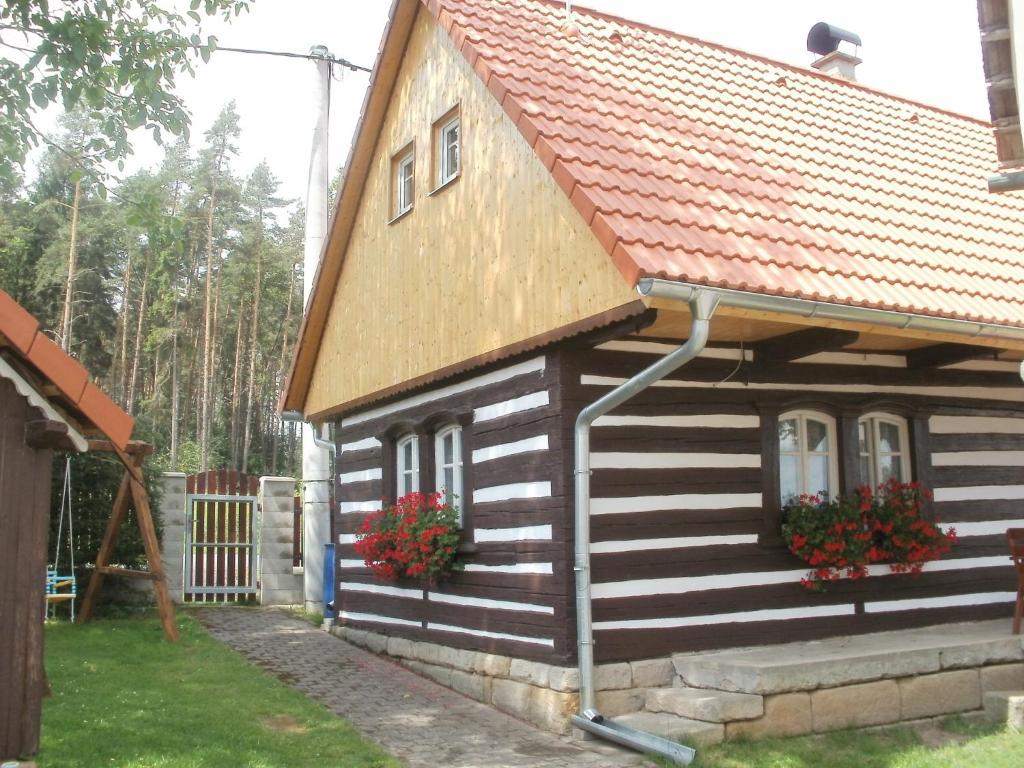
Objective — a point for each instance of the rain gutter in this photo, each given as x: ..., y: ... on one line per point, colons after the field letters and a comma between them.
x: 702, y: 306
x: 657, y: 288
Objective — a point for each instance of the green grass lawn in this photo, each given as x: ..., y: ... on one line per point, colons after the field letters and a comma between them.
x: 123, y: 696
x: 953, y: 743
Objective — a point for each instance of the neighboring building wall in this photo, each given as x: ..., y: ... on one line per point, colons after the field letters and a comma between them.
x: 24, y: 522
x: 678, y: 483
x: 515, y: 595
x: 279, y: 583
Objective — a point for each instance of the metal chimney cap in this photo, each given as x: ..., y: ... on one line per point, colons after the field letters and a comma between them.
x: 823, y: 38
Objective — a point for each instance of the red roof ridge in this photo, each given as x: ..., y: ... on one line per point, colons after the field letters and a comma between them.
x: 559, y: 5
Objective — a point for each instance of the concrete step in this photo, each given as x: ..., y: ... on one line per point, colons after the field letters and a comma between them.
x: 1005, y: 707
x: 806, y: 666
x: 705, y: 704
x: 681, y: 729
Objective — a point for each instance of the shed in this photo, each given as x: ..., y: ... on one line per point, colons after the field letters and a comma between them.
x: 47, y: 403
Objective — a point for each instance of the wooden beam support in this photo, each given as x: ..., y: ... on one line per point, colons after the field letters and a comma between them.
x: 937, y: 355
x: 134, y: 447
x: 792, y: 346
x: 128, y: 573
x: 48, y: 434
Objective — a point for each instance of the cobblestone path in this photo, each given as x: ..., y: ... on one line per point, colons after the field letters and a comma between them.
x: 424, y: 724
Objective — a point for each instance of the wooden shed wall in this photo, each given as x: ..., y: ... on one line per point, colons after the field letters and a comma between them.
x: 514, y: 596
x: 677, y: 499
x: 24, y: 521
x: 495, y: 258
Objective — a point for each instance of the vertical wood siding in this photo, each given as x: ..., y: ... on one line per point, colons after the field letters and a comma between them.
x: 24, y: 522
x: 512, y: 597
x: 677, y: 507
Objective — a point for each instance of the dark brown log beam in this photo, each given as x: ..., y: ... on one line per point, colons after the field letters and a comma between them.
x: 48, y: 434
x: 937, y: 355
x: 134, y: 447
x: 792, y: 346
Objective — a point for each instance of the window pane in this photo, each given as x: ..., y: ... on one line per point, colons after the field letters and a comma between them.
x: 789, y: 477
x: 407, y: 456
x: 789, y: 437
x: 891, y: 467
x: 449, y: 482
x: 817, y: 436
x: 817, y: 467
x: 449, y: 449
x: 865, y: 470
x: 862, y: 435
x: 888, y: 438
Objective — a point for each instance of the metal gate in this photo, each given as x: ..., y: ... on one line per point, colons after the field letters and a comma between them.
x: 220, y: 538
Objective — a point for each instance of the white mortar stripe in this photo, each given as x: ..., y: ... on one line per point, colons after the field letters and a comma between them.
x: 979, y: 459
x: 949, y: 601
x: 978, y: 393
x: 525, y: 533
x: 675, y: 460
x: 711, y: 421
x: 967, y: 425
x: 855, y: 358
x: 351, y: 616
x: 680, y: 542
x: 343, y: 563
x: 980, y: 493
x: 483, y: 602
x: 536, y: 365
x: 538, y: 443
x: 360, y: 445
x: 493, y: 635
x: 359, y: 477
x: 529, y: 568
x: 1007, y: 366
x: 678, y: 501
x: 682, y: 585
x: 511, y: 491
x: 350, y: 507
x: 660, y: 348
x: 987, y: 528
x: 773, y: 614
x: 381, y: 589
x: 346, y: 538
x: 508, y: 407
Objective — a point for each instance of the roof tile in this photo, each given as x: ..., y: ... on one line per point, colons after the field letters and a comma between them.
x: 16, y: 324
x: 701, y: 163
x: 65, y: 372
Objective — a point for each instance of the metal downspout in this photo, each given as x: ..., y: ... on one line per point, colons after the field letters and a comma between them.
x: 702, y: 306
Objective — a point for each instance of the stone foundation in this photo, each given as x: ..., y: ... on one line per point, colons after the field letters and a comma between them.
x: 706, y: 698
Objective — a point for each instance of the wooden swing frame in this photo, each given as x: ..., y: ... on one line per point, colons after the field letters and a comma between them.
x: 132, y: 489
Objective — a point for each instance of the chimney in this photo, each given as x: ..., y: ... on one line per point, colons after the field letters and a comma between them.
x: 836, y: 49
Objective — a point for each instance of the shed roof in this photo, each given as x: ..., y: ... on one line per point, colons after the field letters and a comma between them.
x: 57, y: 376
x: 695, y: 162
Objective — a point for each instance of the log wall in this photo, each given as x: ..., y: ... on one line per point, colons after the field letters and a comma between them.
x: 678, y: 530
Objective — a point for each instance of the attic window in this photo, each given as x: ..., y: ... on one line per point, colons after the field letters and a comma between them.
x: 447, y: 134
x: 403, y: 176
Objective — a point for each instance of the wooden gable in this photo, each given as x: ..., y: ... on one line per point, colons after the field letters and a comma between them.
x: 493, y: 262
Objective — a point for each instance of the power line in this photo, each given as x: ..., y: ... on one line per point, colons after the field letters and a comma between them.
x: 286, y: 54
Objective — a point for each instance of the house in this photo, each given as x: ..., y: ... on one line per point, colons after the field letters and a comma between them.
x: 536, y: 209
x: 47, y: 403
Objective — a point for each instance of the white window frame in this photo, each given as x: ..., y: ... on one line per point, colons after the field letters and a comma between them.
x: 874, y: 455
x: 454, y: 495
x: 801, y: 416
x: 404, y: 473
x: 406, y: 161
x: 446, y: 174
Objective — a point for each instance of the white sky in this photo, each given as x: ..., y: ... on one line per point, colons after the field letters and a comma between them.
x: 926, y: 50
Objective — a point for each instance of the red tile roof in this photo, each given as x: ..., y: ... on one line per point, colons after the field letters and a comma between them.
x: 703, y: 164
x: 74, y: 393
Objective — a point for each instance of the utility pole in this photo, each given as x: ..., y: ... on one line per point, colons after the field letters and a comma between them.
x: 317, y: 472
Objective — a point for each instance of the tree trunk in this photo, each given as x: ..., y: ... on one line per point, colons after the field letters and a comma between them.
x: 69, y: 286
x: 174, y: 389
x: 130, y: 400
x: 253, y: 338
x: 236, y: 392
x: 283, y: 362
x: 204, y: 419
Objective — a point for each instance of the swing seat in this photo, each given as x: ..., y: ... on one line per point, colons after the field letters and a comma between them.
x: 60, y: 588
